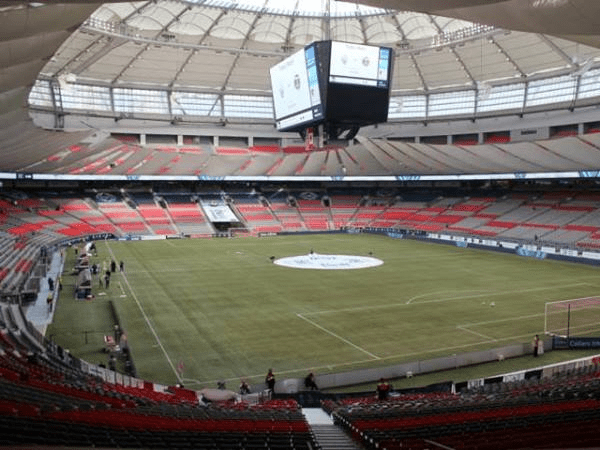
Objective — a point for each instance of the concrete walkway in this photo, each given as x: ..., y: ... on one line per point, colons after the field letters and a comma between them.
x: 316, y: 416
x: 38, y: 312
x: 327, y: 435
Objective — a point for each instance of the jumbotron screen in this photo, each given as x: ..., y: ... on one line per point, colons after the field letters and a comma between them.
x: 332, y: 82
x: 296, y: 94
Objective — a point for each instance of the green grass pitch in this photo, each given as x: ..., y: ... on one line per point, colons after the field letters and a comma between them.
x: 224, y: 309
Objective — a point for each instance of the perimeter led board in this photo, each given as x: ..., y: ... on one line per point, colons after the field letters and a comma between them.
x: 336, y: 83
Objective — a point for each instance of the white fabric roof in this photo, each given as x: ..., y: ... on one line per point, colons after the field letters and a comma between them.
x: 216, y: 45
x: 227, y: 45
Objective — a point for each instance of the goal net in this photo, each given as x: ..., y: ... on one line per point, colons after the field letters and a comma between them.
x: 576, y: 317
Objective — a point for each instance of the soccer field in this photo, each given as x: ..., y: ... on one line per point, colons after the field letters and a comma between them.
x: 226, y: 311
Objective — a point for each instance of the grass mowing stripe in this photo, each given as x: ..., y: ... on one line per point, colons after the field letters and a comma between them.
x: 338, y: 337
x: 462, y: 297
x: 475, y: 324
x: 159, y: 342
x: 477, y: 334
x: 227, y: 311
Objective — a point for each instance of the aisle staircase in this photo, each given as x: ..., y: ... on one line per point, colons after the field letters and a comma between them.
x: 327, y: 435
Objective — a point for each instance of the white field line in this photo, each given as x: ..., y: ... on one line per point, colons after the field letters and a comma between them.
x: 429, y: 294
x: 330, y: 367
x: 162, y: 269
x: 158, y: 341
x: 476, y: 333
x: 337, y: 336
x: 121, y: 287
x: 487, y: 322
x: 474, y: 324
x: 460, y: 297
x: 497, y: 293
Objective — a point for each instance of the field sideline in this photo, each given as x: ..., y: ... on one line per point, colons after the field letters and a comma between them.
x: 226, y: 311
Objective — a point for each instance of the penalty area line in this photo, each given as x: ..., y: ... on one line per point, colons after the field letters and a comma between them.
x: 438, y: 300
x: 477, y: 334
x: 496, y: 293
x: 507, y: 319
x: 337, y: 336
x: 428, y: 294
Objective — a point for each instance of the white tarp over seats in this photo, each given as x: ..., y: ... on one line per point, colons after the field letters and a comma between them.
x: 219, y: 213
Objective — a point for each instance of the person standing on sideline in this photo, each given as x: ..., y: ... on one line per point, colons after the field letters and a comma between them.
x: 309, y: 382
x: 270, y: 380
x: 536, y: 346
x: 49, y: 301
x: 244, y: 388
x: 121, y: 266
x: 383, y: 389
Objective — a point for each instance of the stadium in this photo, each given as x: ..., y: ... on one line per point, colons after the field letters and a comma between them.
x: 393, y: 205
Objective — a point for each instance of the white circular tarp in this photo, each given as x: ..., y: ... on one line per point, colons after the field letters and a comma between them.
x: 328, y: 262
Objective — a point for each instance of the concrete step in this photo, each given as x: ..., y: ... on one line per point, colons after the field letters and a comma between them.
x: 332, y: 437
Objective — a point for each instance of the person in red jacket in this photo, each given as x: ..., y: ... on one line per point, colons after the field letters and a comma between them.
x: 383, y: 389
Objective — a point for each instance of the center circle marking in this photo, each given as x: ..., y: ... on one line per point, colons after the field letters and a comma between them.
x: 328, y: 262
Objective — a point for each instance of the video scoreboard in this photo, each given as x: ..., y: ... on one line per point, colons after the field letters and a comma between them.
x: 332, y: 82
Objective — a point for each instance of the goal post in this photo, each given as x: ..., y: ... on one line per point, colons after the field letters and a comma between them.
x: 575, y: 317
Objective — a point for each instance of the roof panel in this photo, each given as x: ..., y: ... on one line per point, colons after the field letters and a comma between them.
x: 213, y: 32
x: 416, y: 26
x: 305, y: 30
x: 115, y: 12
x: 347, y: 30
x: 579, y: 53
x: 405, y: 75
x: 195, y: 21
x: 207, y: 69
x: 235, y: 25
x: 270, y: 29
x: 68, y: 52
x: 108, y: 67
x: 251, y: 72
x: 155, y: 65
x: 441, y: 69
x: 449, y: 25
x: 485, y: 61
x: 530, y: 52
x: 162, y: 12
x: 381, y: 30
